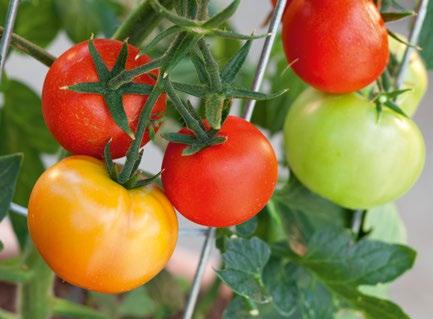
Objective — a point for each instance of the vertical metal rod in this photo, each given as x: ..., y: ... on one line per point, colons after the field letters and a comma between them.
x: 261, y: 68
x: 198, y: 277
x: 7, y: 34
x: 413, y: 40
x: 264, y: 57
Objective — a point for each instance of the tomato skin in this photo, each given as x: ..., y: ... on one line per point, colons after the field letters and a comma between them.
x: 96, y: 234
x: 222, y: 185
x: 335, y: 46
x: 80, y: 122
x: 339, y: 148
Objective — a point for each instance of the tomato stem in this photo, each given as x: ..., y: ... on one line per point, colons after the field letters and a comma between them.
x: 30, y: 49
x: 141, y: 22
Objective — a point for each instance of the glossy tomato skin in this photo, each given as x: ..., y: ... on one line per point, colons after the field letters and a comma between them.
x: 340, y: 149
x: 226, y: 184
x: 335, y: 46
x: 80, y: 122
x: 96, y: 234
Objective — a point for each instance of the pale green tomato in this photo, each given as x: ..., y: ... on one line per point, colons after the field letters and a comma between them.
x: 416, y: 78
x: 340, y: 148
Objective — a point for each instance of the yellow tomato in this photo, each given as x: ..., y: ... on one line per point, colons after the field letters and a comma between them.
x: 96, y: 234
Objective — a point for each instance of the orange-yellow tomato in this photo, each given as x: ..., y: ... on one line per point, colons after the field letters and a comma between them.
x: 96, y: 234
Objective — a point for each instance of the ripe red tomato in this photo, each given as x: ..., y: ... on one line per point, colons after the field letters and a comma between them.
x: 335, y: 46
x: 80, y: 122
x: 222, y: 185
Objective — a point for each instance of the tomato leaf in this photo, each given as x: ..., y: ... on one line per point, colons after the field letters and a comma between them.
x: 248, y: 228
x: 242, y: 308
x: 137, y: 304
x: 63, y: 308
x: 9, y: 171
x: 426, y: 37
x: 243, y: 274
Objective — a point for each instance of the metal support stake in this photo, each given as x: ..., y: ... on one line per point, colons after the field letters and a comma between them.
x: 6, y: 38
x: 261, y: 68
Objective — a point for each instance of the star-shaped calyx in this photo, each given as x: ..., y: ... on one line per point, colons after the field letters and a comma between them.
x: 112, y: 96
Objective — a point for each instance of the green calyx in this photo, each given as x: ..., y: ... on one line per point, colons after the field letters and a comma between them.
x: 112, y: 96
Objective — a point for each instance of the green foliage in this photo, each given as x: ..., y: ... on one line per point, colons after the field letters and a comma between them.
x: 36, y: 20
x: 9, y: 170
x: 426, y: 37
x: 318, y: 268
x: 79, y: 20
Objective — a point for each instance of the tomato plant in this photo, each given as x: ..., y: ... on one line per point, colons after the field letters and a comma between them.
x: 307, y: 228
x: 95, y: 221
x: 82, y: 123
x: 343, y: 149
x: 320, y: 52
x: 226, y: 184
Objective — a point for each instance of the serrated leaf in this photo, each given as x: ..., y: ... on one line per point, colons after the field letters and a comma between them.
x: 244, y: 284
x: 9, y: 171
x: 333, y: 254
x: 244, y: 260
x: 247, y: 255
x: 248, y: 228
x: 280, y: 281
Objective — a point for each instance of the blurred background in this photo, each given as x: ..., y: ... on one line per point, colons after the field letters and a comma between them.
x: 414, y: 291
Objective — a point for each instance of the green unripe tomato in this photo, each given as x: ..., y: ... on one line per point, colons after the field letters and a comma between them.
x: 340, y: 148
x: 416, y: 78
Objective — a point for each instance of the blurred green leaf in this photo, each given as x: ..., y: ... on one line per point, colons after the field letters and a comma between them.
x: 22, y: 130
x: 244, y: 260
x: 9, y: 171
x: 248, y: 228
x: 240, y: 308
x: 69, y: 309
x: 426, y: 37
x: 81, y: 18
x: 137, y: 303
x: 36, y: 20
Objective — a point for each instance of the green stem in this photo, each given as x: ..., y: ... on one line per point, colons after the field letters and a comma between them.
x: 190, y: 120
x: 143, y: 121
x: 203, y: 9
x: 35, y: 295
x: 211, y: 66
x: 31, y: 49
x: 141, y: 22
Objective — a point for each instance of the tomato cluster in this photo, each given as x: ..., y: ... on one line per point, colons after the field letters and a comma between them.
x: 81, y: 220
x: 342, y: 145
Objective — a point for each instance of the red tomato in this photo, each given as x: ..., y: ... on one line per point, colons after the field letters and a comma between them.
x: 80, y: 122
x: 335, y: 46
x: 222, y: 185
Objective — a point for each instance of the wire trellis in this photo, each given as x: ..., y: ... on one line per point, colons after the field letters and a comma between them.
x: 210, y: 233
